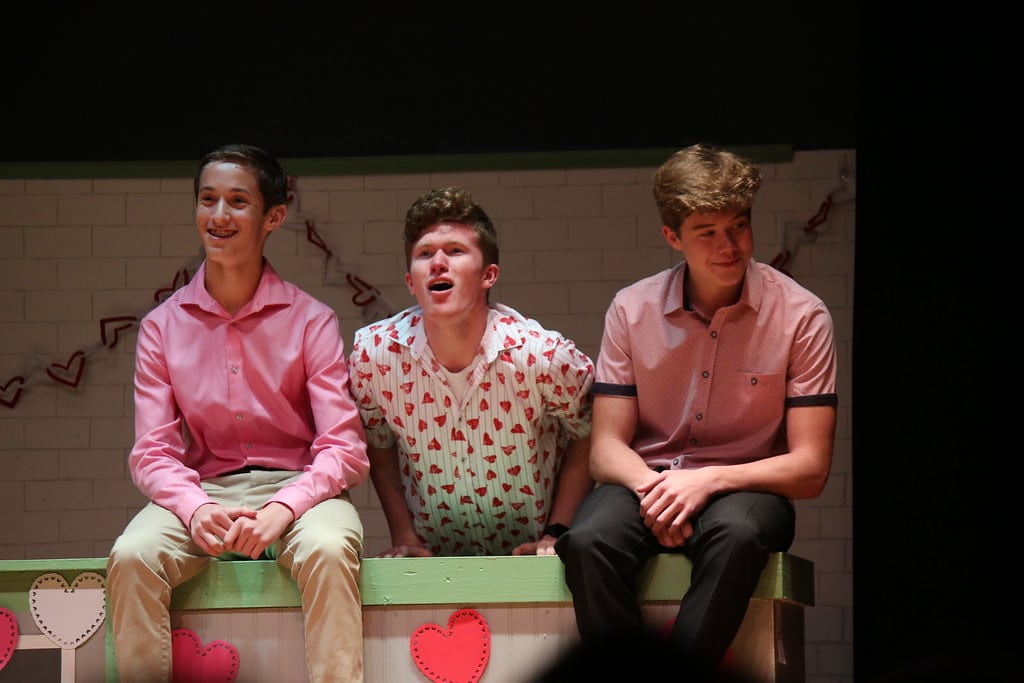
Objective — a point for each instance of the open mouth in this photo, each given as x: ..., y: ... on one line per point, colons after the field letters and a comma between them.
x: 440, y: 286
x: 220, y: 234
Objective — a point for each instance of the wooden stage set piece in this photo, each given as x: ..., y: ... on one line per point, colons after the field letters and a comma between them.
x: 472, y: 619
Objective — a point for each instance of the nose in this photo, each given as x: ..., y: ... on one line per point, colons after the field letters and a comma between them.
x: 725, y: 242
x: 438, y: 261
x: 220, y: 211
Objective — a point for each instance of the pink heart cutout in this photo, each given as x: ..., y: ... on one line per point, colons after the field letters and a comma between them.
x: 8, y: 636
x: 192, y: 663
x: 68, y: 615
x: 458, y: 654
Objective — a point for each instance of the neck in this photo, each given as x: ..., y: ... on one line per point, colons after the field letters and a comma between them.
x: 455, y: 343
x: 707, y: 301
x: 232, y: 286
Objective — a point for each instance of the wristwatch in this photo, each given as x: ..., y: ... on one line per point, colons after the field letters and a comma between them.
x: 555, y: 530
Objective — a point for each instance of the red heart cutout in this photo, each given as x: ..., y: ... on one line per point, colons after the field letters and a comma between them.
x: 15, y: 384
x: 458, y: 654
x: 63, y: 373
x: 194, y: 664
x: 122, y: 322
x: 8, y: 636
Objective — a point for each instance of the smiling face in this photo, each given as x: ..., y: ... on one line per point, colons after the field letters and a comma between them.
x: 230, y: 215
x: 716, y: 247
x: 447, y: 274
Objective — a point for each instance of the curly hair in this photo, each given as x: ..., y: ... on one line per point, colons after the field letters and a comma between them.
x: 454, y: 205
x: 703, y: 179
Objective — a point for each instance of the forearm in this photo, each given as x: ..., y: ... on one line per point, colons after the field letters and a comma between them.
x: 574, y: 482
x: 795, y: 475
x: 387, y: 483
x: 614, y: 462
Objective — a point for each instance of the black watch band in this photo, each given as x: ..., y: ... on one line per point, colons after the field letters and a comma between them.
x: 555, y: 530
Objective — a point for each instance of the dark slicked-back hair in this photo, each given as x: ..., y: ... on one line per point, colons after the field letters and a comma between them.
x: 450, y: 205
x: 272, y: 180
x: 703, y: 179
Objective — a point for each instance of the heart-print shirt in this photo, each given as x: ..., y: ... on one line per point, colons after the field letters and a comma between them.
x: 478, y: 467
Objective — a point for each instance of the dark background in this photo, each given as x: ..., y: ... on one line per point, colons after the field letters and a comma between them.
x: 931, y: 568
x: 88, y: 83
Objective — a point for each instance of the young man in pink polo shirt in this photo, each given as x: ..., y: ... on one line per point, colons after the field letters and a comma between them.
x: 247, y: 440
x: 714, y: 407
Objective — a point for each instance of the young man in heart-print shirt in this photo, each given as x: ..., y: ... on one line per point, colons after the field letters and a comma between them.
x: 477, y: 418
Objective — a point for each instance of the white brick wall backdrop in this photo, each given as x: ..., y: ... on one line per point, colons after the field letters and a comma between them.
x: 73, y: 252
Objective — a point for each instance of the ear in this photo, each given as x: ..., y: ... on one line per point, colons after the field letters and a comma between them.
x: 275, y: 217
x: 672, y: 238
x: 490, y: 276
x: 408, y: 283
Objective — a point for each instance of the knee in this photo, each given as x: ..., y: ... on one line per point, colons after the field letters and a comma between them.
x: 337, y: 547
x: 580, y: 544
x: 741, y: 537
x: 131, y: 550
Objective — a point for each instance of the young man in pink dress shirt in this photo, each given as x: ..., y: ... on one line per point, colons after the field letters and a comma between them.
x: 247, y: 441
x: 477, y: 418
x: 714, y: 407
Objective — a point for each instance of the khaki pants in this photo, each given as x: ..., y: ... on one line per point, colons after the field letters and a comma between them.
x: 321, y: 549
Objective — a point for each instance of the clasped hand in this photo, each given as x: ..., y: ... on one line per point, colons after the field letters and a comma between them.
x: 667, y: 502
x: 218, y: 529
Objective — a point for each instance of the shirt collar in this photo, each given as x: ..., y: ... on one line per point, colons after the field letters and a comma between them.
x: 505, y: 330
x: 750, y: 295
x: 271, y: 291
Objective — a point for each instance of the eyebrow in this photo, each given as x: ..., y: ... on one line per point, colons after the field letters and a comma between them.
x: 240, y: 190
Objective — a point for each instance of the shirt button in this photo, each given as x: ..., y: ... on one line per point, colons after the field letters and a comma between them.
x: 700, y: 416
x: 248, y: 446
x: 753, y: 380
x: 693, y: 442
x: 238, y: 416
x: 234, y: 371
x: 704, y: 374
x: 714, y: 335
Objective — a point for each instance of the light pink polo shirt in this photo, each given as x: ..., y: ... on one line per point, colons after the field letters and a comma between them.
x: 716, y: 393
x: 267, y: 386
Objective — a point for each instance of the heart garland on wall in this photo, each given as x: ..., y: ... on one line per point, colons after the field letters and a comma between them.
x: 69, y: 371
x: 456, y: 654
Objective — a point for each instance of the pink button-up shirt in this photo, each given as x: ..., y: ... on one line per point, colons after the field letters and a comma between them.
x: 267, y: 386
x: 716, y: 392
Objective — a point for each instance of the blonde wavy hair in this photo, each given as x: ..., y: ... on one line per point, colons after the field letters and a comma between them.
x: 703, y: 179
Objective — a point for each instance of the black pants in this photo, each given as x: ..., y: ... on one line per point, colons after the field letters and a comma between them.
x: 608, y: 544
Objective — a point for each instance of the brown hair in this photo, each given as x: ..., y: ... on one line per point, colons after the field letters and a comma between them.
x: 703, y: 179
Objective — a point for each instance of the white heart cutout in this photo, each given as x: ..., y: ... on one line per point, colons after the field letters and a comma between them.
x: 68, y: 615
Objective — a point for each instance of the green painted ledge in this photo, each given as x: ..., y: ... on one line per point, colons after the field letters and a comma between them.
x: 249, y: 584
x: 373, y: 165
